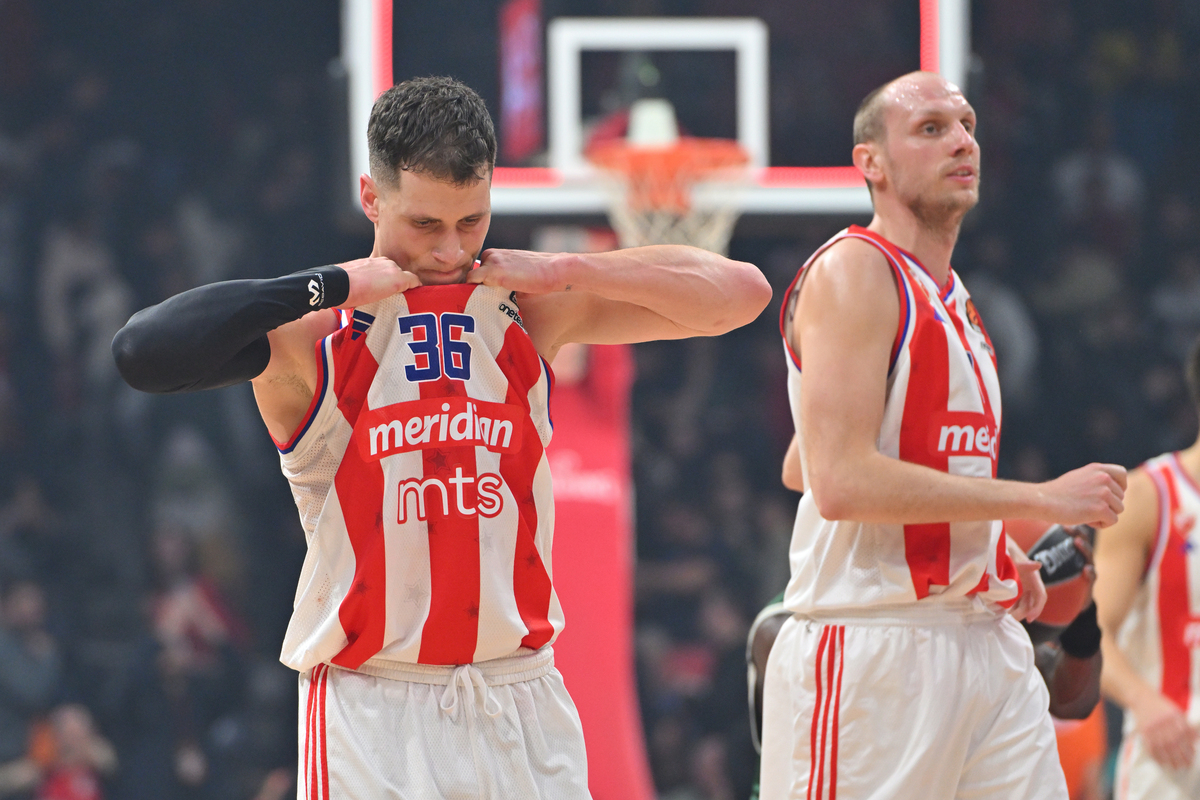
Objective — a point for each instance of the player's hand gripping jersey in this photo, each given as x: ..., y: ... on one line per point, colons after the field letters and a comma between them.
x: 942, y: 410
x: 423, y: 487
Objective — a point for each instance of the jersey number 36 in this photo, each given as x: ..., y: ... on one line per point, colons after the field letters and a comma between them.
x: 436, y: 342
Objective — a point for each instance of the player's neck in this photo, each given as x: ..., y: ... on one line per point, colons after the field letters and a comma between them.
x: 932, y: 248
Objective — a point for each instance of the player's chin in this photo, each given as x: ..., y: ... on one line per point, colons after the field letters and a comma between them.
x: 440, y: 277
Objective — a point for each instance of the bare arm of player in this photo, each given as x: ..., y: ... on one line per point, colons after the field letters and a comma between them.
x: 846, y: 318
x: 793, y: 473
x: 284, y: 390
x: 635, y: 295
x: 1122, y: 552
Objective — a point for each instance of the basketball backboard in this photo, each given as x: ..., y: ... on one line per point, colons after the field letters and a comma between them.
x: 567, y: 185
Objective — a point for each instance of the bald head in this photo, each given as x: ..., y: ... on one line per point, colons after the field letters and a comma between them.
x: 870, y: 123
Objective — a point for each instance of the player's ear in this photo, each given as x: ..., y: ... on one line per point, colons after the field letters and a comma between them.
x: 867, y: 158
x: 368, y: 195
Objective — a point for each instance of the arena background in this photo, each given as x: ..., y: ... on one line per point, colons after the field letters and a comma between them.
x: 146, y: 148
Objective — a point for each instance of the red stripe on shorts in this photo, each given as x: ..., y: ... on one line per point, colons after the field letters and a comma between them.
x: 813, y: 765
x: 831, y: 656
x: 837, y: 701
x: 324, y: 795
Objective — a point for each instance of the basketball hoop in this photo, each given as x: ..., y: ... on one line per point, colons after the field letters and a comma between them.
x: 651, y: 202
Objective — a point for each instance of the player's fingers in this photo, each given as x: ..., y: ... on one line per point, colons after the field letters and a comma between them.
x: 485, y: 274
x: 1117, y: 472
x: 1083, y: 546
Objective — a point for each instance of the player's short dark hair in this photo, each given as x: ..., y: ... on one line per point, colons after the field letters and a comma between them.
x: 435, y: 126
x: 1191, y: 372
x: 868, y: 121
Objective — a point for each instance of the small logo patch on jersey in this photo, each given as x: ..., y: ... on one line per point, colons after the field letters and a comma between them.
x: 360, y: 323
x: 973, y: 316
x: 511, y: 310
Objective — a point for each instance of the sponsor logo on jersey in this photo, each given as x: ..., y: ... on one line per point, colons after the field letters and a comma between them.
x: 510, y: 308
x: 963, y: 433
x: 431, y: 498
x: 439, y: 423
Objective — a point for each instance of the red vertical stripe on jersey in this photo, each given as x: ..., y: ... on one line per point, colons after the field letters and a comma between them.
x: 531, y: 581
x: 359, y: 485
x: 1173, y: 599
x: 451, y: 630
x: 926, y: 546
x: 814, y: 765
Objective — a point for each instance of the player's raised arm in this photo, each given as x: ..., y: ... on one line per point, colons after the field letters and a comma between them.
x: 633, y: 295
x: 262, y: 330
x: 845, y: 327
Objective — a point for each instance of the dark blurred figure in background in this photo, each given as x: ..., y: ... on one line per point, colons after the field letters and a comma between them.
x: 30, y: 668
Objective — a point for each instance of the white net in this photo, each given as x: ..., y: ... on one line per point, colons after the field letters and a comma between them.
x: 708, y: 227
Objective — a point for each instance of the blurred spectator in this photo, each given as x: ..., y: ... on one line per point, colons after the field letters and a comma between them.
x: 1099, y: 191
x: 82, y: 304
x: 30, y: 665
x: 80, y: 760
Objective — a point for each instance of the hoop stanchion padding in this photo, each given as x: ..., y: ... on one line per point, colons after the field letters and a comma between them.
x: 653, y: 201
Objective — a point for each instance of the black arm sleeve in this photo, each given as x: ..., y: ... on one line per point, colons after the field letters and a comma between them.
x: 216, y: 335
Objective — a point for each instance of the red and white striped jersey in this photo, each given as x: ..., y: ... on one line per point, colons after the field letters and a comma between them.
x: 942, y: 410
x: 1162, y: 629
x: 423, y: 486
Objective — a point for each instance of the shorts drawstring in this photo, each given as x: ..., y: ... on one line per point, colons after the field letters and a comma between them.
x: 470, y: 678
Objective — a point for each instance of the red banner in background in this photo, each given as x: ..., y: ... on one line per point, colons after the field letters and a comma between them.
x: 594, y: 560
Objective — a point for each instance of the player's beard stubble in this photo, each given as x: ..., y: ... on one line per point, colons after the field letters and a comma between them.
x: 945, y: 212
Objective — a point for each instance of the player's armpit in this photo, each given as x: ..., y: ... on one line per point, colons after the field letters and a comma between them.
x: 845, y: 325
x: 284, y: 390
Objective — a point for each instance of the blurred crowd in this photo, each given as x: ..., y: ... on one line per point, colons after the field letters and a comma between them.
x: 149, y: 547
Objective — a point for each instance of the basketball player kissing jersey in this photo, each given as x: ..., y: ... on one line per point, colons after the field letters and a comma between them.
x: 942, y: 410
x: 423, y: 487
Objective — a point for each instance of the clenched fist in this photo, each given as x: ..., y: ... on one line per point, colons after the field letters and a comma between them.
x: 1091, y: 495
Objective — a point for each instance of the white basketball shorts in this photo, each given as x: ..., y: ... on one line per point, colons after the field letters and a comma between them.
x: 495, y: 730
x: 1140, y: 777
x: 895, y: 708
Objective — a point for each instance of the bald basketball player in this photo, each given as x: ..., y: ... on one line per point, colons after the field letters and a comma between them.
x: 903, y: 671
